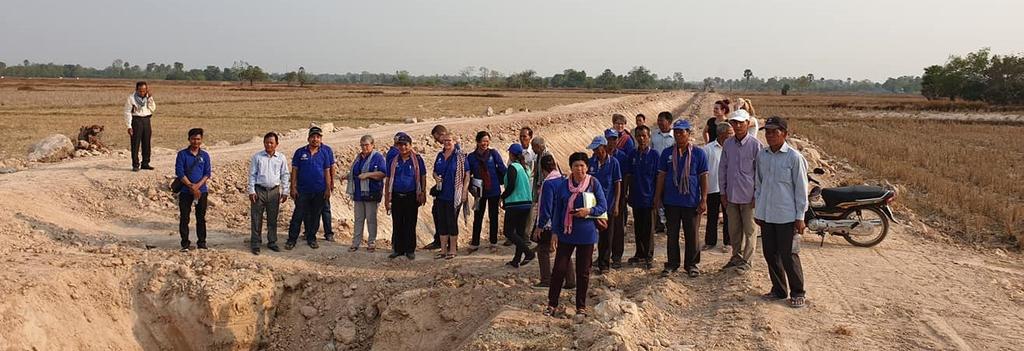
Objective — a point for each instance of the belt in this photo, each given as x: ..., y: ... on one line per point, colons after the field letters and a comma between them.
x: 403, y: 195
x: 146, y: 116
x: 266, y: 188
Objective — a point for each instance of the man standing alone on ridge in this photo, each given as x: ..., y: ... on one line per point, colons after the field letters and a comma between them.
x: 137, y: 112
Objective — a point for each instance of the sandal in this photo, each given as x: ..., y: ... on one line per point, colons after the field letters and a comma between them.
x: 439, y: 256
x: 798, y: 302
x: 550, y: 311
x: 449, y: 256
x: 771, y: 297
x: 371, y: 249
x: 353, y: 249
x: 581, y: 312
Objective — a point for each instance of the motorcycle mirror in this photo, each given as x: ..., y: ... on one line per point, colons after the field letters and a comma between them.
x: 818, y: 171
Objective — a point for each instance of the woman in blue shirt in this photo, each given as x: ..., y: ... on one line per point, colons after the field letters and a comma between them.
x: 564, y: 207
x: 366, y: 191
x: 488, y: 171
x: 403, y: 194
x: 452, y: 176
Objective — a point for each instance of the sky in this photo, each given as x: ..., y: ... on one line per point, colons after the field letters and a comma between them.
x: 863, y: 39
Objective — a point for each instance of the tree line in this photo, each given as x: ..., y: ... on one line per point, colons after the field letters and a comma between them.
x: 637, y: 78
x: 978, y: 76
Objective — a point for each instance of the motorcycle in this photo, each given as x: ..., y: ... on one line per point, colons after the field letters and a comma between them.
x: 860, y: 213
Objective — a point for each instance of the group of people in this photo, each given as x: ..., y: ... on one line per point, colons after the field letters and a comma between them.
x: 667, y: 181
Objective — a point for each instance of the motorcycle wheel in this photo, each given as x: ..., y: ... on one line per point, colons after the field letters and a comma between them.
x: 864, y: 237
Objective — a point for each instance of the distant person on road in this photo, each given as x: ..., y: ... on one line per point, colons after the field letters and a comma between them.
x: 138, y: 111
x: 682, y: 187
x: 310, y: 188
x: 404, y: 193
x: 736, y: 172
x: 269, y: 175
x: 451, y: 172
x: 488, y: 171
x: 605, y: 170
x: 517, y: 200
x: 720, y: 111
x: 573, y: 220
x: 192, y: 166
x: 781, y: 197
x: 546, y: 240
x: 366, y: 188
x: 715, y: 203
x: 642, y: 168
x: 662, y: 139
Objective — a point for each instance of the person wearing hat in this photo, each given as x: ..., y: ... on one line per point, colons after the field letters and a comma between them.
x: 781, y: 198
x: 404, y: 193
x: 310, y: 187
x: 517, y: 200
x: 393, y: 150
x: 618, y: 224
x: 736, y: 173
x: 451, y: 173
x: 682, y: 187
x: 488, y: 169
x: 642, y: 170
x: 605, y: 169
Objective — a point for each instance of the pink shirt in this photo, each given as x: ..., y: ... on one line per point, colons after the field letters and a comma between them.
x: 737, y: 169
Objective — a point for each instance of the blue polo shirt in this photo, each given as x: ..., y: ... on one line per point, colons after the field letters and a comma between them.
x: 607, y: 174
x: 493, y: 165
x: 404, y: 180
x: 377, y: 164
x: 643, y: 167
x: 200, y: 165
x: 554, y: 203
x: 310, y: 169
x: 392, y: 152
x: 447, y: 169
x: 623, y: 158
x: 629, y: 146
x: 698, y: 166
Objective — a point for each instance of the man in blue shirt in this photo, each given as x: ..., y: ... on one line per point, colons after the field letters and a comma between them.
x: 682, y: 187
x: 192, y: 167
x: 606, y: 170
x: 311, y: 174
x: 643, y: 170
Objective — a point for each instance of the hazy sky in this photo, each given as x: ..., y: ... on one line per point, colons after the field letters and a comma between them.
x: 835, y: 39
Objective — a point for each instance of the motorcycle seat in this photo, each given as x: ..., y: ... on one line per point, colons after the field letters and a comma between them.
x: 836, y: 196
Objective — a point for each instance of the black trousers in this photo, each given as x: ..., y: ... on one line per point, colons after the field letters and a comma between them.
x: 715, y: 207
x: 781, y: 247
x: 619, y: 228
x: 435, y: 211
x: 515, y: 231
x: 403, y: 222
x: 687, y: 216
x: 326, y: 217
x: 142, y: 135
x: 643, y: 220
x: 563, y: 260
x: 308, y: 209
x: 491, y: 205
x: 185, y: 199
x: 446, y: 219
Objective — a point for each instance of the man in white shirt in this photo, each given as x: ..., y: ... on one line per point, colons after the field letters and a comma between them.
x: 714, y: 151
x: 662, y: 139
x: 269, y: 172
x: 137, y: 112
x: 526, y: 141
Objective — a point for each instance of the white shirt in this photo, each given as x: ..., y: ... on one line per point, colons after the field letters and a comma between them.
x: 662, y: 140
x: 268, y: 172
x: 714, y: 152
x: 131, y: 109
x: 780, y: 193
x: 531, y: 158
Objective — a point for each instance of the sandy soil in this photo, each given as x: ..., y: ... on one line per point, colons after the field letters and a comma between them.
x: 89, y: 252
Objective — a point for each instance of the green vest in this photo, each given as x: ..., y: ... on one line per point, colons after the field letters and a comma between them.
x: 522, y: 191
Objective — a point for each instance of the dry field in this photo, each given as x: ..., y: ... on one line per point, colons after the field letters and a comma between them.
x: 39, y: 107
x: 963, y: 171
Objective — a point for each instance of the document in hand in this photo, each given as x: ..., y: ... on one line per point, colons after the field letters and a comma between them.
x: 589, y: 201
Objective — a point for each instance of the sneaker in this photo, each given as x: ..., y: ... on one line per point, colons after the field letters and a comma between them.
x: 541, y: 286
x: 648, y: 265
x: 148, y: 167
x: 313, y: 245
x: 743, y: 267
x: 288, y: 245
x: 394, y: 255
x: 668, y: 271
x: 411, y: 256
x: 329, y: 237
x: 513, y: 264
x: 616, y: 264
x: 529, y: 257
x: 432, y: 246
x: 201, y: 246
x: 693, y: 272
x: 633, y: 260
x: 256, y: 251
x: 135, y: 169
x: 507, y: 243
x: 274, y: 248
x: 599, y: 270
x: 184, y: 249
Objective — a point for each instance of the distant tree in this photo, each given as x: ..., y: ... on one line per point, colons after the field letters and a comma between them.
x: 785, y: 89
x: 3, y: 66
x: 25, y: 63
x: 608, y: 80
x: 810, y: 76
x: 524, y: 79
x: 253, y: 74
x: 640, y: 78
x: 290, y: 77
x: 229, y: 75
x: 178, y: 66
x: 403, y: 78
x: 747, y: 73
x: 212, y: 73
x: 301, y: 76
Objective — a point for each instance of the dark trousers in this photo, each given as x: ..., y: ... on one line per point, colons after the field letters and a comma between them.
x: 435, y: 211
x: 403, y: 222
x: 715, y: 207
x: 618, y: 226
x: 515, y: 231
x: 546, y: 246
x: 563, y: 262
x: 606, y: 240
x: 267, y: 201
x: 687, y: 216
x: 185, y: 199
x: 142, y: 135
x: 308, y: 208
x: 326, y: 217
x: 643, y: 220
x: 491, y: 205
x: 781, y: 246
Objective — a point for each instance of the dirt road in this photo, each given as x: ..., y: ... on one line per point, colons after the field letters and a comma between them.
x: 89, y: 252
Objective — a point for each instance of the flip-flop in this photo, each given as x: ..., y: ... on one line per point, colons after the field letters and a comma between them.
x: 449, y: 256
x: 353, y: 249
x: 771, y: 297
x: 798, y: 302
x: 371, y: 249
x: 439, y: 256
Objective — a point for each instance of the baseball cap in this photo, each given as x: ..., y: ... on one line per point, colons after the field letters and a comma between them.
x: 611, y: 133
x: 515, y: 149
x: 681, y: 124
x: 399, y: 135
x: 599, y: 141
x: 403, y: 138
x: 739, y: 115
x: 316, y: 130
x: 775, y: 122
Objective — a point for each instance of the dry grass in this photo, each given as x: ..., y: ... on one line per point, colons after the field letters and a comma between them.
x: 967, y: 175
x: 234, y: 113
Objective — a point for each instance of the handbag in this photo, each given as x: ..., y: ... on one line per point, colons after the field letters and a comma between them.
x: 177, y: 184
